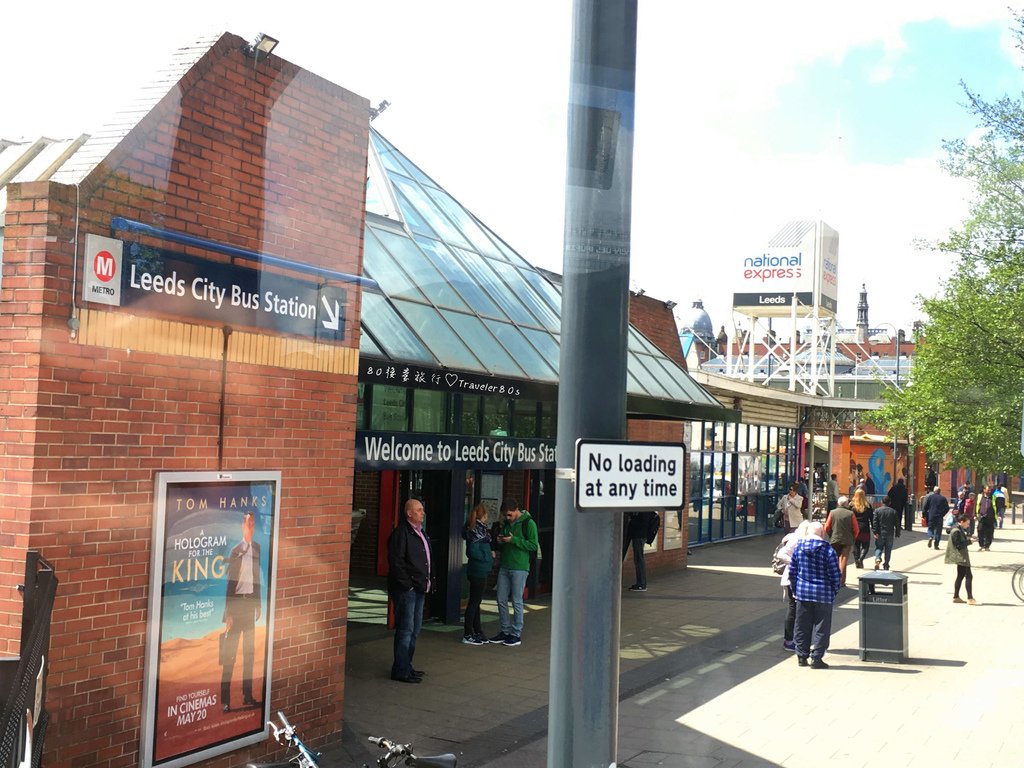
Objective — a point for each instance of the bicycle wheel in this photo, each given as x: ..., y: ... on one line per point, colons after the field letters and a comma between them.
x: 1018, y: 583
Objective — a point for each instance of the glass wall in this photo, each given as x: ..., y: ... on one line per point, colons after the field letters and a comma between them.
x: 737, y: 472
x: 388, y: 408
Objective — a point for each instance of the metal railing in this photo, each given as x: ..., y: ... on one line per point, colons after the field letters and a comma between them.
x: 23, y: 715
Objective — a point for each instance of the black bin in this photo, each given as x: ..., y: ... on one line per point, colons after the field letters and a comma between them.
x: 883, y: 617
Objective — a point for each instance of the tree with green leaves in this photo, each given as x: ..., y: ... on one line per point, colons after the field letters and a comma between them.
x: 967, y: 387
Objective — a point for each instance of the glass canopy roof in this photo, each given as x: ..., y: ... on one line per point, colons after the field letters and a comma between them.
x: 453, y: 294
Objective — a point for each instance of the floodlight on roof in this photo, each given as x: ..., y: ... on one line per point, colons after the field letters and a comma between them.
x: 263, y: 43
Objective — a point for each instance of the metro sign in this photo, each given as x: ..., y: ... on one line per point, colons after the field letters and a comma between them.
x: 102, y: 273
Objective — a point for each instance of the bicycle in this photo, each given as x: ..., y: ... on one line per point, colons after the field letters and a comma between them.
x: 394, y: 754
x: 1017, y: 582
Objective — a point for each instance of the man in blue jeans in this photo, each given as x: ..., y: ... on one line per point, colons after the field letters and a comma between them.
x: 815, y: 578
x: 518, y: 540
x: 408, y: 583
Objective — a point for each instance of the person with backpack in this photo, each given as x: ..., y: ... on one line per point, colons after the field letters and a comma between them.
x: 641, y: 528
x: 986, y: 516
x: 517, y: 540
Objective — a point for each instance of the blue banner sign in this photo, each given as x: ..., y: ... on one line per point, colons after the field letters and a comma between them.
x: 158, y: 280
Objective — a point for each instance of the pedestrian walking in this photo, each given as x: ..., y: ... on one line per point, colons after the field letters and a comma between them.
x: 935, y: 508
x: 842, y: 530
x: 792, y: 505
x: 864, y: 513
x: 815, y: 578
x: 898, y: 500
x: 986, y: 515
x: 641, y: 529
x: 886, y: 527
x: 957, y: 554
x: 832, y: 491
x: 999, y: 497
x: 784, y: 553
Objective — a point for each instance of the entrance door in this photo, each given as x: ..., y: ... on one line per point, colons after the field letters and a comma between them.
x: 434, y: 489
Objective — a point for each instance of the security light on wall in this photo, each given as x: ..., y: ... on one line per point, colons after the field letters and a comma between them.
x: 263, y: 44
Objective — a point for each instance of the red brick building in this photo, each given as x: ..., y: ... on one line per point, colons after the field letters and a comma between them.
x: 256, y: 155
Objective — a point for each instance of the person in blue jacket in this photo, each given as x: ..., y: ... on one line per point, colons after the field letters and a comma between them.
x: 479, y: 559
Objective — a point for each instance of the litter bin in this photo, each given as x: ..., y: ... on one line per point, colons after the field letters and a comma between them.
x: 883, y: 617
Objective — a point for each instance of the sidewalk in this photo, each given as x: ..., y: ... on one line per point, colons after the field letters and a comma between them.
x: 704, y: 680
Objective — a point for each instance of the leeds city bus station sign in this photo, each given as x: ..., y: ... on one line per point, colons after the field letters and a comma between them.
x: 615, y: 475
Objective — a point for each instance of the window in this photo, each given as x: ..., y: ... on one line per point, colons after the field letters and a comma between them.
x: 428, y: 411
x: 389, y: 410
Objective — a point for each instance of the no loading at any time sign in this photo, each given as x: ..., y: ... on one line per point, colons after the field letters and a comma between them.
x: 615, y: 475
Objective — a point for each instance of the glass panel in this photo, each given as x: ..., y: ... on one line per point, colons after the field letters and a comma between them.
x: 489, y: 280
x: 473, y: 332
x: 447, y: 347
x: 741, y: 438
x: 470, y: 415
x: 496, y: 416
x: 467, y: 287
x: 428, y: 410
x: 545, y: 343
x: 545, y: 289
x: 524, y: 418
x: 388, y: 411
x: 423, y: 273
x: 525, y: 293
x: 520, y: 349
x: 378, y: 264
x: 548, y: 419
x: 730, y: 436
x: 481, y: 242
x: 387, y: 154
x: 397, y: 340
x: 417, y: 223
x: 637, y: 368
x: 669, y: 379
x: 376, y: 199
x: 633, y: 386
x: 368, y: 347
x: 430, y: 212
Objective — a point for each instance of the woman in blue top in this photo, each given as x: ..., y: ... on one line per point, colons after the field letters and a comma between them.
x: 478, y: 566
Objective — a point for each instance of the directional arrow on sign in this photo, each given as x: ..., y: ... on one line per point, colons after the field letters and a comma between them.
x: 334, y: 316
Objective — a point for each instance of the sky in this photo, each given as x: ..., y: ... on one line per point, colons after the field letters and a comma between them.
x: 748, y: 115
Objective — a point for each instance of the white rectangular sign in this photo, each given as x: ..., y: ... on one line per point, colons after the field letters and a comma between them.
x: 629, y: 476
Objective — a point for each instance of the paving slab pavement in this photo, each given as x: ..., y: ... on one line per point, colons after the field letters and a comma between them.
x: 704, y: 680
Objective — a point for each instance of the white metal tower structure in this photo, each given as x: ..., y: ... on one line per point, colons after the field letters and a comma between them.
x: 785, y: 318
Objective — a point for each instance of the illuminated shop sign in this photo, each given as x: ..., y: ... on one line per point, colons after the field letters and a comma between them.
x: 406, y: 450
x: 127, y: 274
x: 421, y: 377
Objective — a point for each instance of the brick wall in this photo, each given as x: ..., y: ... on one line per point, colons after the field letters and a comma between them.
x: 269, y: 158
x: 366, y: 496
x: 653, y: 318
x: 656, y: 431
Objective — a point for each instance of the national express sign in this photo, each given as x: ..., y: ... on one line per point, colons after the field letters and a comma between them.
x: 801, y: 260
x: 128, y: 274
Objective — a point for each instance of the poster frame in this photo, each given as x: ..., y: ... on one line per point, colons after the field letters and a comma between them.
x: 164, y: 481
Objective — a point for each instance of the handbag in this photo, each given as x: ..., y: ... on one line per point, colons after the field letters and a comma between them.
x: 948, y: 521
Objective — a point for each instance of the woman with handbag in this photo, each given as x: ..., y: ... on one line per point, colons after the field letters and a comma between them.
x: 958, y: 555
x: 863, y: 513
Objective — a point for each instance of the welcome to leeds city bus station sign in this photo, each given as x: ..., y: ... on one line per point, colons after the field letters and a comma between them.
x: 120, y: 274
x: 614, y: 475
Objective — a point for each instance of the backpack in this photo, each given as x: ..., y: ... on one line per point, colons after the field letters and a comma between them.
x: 778, y: 564
x: 653, y: 526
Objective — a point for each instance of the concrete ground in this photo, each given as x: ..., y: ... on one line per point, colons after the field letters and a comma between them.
x: 705, y: 683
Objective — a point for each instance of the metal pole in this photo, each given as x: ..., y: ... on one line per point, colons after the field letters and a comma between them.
x: 584, y: 687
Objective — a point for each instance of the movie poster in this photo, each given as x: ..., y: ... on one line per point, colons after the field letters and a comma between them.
x: 210, y: 614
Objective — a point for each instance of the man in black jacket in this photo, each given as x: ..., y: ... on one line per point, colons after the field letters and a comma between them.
x: 935, y: 508
x: 898, y: 501
x: 886, y: 527
x: 408, y: 583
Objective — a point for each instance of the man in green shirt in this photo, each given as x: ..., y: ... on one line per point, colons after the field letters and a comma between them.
x: 517, y: 540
